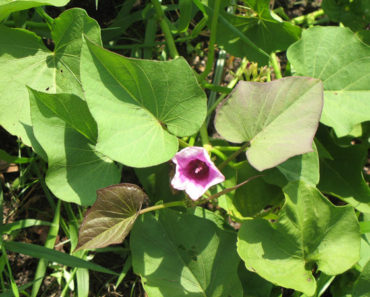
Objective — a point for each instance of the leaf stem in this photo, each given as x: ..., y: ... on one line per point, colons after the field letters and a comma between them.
x: 164, y: 205
x: 275, y: 64
x: 48, y: 19
x: 233, y: 156
x: 212, y: 40
x: 165, y: 29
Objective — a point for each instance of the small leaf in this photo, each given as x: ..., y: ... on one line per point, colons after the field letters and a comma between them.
x: 112, y: 216
x: 279, y: 118
x: 179, y: 254
x: 140, y: 106
x: 337, y: 57
x: 309, y: 231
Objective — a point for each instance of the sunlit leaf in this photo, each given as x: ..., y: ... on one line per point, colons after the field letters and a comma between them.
x: 310, y: 231
x: 112, y: 216
x: 278, y: 118
x: 184, y: 255
x: 337, y: 57
x: 140, y: 106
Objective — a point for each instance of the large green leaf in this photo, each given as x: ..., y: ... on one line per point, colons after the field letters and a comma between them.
x: 66, y: 131
x: 25, y: 61
x: 341, y: 176
x: 262, y: 29
x: 112, y: 216
x: 140, y: 106
x: 9, y: 6
x: 184, y: 255
x: 310, y: 231
x: 279, y: 118
x: 352, y: 13
x: 337, y: 57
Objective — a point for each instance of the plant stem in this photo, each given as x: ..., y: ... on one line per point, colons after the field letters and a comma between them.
x: 165, y: 29
x: 212, y: 39
x: 310, y: 17
x: 233, y: 156
x: 275, y: 64
x: 204, y: 133
x: 164, y: 205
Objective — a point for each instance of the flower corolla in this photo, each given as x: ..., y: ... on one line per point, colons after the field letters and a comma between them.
x: 195, y: 172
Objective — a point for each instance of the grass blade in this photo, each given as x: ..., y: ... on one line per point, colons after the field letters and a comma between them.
x: 9, y: 228
x: 55, y: 256
x: 49, y: 243
x: 13, y: 285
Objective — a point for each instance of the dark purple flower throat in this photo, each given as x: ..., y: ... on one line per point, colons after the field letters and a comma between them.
x: 197, y: 169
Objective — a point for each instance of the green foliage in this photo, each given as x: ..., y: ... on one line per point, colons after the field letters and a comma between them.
x: 96, y: 117
x: 309, y: 231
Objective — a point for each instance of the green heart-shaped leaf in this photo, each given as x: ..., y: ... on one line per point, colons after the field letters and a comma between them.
x: 7, y: 7
x: 140, y: 106
x: 65, y: 129
x: 184, y: 255
x: 279, y: 118
x: 309, y: 231
x: 26, y: 61
x: 337, y: 57
x: 112, y: 216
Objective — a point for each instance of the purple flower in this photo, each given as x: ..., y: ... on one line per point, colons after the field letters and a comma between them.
x: 195, y: 172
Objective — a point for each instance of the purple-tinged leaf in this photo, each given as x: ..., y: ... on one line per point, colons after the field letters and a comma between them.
x: 112, y: 216
x: 278, y: 118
